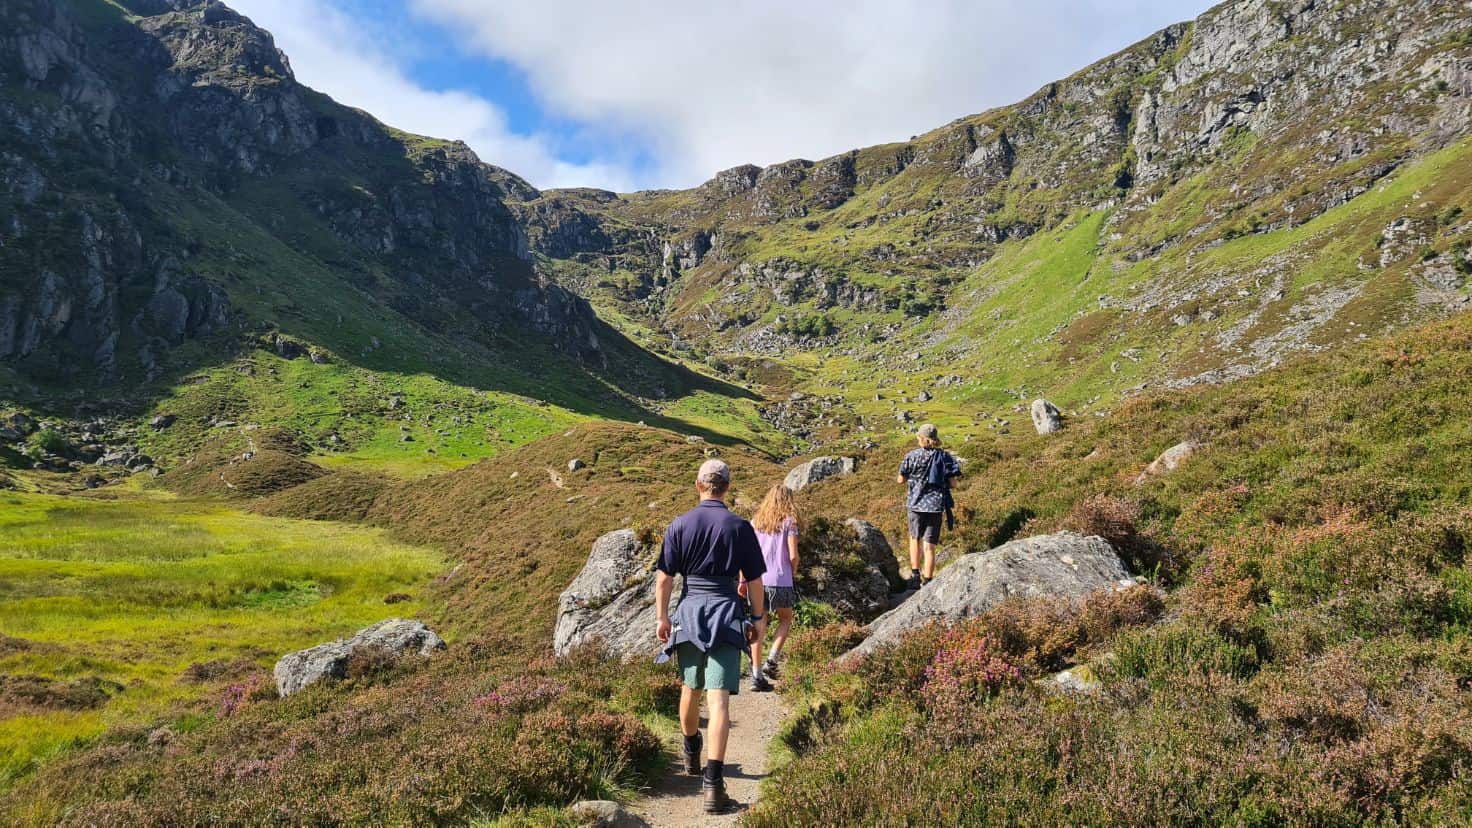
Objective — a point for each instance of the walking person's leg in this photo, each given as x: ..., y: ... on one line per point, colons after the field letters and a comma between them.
x: 916, y: 531
x: 718, y: 728
x: 929, y: 536
x: 756, y: 659
x: 690, y: 724
x: 784, y: 626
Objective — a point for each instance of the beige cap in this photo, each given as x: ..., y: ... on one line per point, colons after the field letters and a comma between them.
x: 713, y: 471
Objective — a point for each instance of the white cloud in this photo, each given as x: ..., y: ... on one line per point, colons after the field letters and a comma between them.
x: 705, y: 86
x: 711, y: 85
x: 332, y: 53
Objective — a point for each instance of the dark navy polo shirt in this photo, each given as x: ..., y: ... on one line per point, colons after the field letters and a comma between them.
x: 710, y: 540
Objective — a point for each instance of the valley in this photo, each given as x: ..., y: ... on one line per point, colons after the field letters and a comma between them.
x: 272, y: 371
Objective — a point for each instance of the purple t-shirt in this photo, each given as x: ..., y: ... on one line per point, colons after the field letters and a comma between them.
x: 775, y: 554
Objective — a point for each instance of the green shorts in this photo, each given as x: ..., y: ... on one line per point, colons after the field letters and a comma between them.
x: 719, y: 669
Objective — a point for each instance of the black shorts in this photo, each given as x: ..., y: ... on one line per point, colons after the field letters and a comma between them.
x: 926, y: 525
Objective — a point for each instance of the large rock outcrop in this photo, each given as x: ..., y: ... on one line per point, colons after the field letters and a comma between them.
x: 395, y: 637
x: 611, y: 601
x: 849, y: 566
x: 1064, y: 564
x: 175, y: 110
x: 819, y: 468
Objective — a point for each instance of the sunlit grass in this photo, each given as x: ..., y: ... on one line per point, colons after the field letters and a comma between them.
x: 134, y: 591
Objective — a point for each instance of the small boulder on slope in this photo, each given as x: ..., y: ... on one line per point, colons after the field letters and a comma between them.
x: 1169, y: 460
x: 396, y: 636
x: 1046, y: 417
x: 1063, y: 564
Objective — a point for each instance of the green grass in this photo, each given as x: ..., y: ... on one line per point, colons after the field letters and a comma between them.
x: 369, y: 412
x: 135, y: 591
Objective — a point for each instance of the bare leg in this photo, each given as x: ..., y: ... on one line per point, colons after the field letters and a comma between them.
x: 720, y: 723
x: 689, y: 711
x: 756, y: 655
x: 914, y: 553
x: 929, y: 571
x: 784, y: 626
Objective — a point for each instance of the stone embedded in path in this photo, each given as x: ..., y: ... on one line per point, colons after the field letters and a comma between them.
x: 611, y: 600
x: 1065, y: 564
x: 819, y: 468
x: 605, y: 813
x: 1046, y: 417
x: 396, y: 636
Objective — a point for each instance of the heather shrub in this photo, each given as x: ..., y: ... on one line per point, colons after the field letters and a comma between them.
x: 1167, y: 654
x: 468, y: 734
x: 967, y: 669
x: 1115, y: 520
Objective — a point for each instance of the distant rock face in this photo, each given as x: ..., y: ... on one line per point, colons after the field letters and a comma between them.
x: 1046, y: 417
x: 819, y: 468
x: 187, y: 97
x: 1064, y: 564
x: 1169, y: 460
x: 611, y: 600
x: 395, y: 636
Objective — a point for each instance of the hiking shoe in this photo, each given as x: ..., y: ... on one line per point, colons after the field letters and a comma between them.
x: 770, y: 669
x: 925, y: 581
x: 716, y: 801
x: 760, y: 684
x: 692, y: 760
x: 913, y: 583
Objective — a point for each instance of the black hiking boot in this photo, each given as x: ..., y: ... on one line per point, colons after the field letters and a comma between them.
x: 771, y: 670
x: 759, y: 684
x: 913, y: 584
x: 692, y: 759
x: 716, y: 801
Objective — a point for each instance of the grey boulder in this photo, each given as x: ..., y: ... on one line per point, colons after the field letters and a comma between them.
x: 1046, y: 417
x: 1169, y: 460
x: 396, y: 636
x: 819, y: 468
x: 1065, y: 564
x: 611, y: 601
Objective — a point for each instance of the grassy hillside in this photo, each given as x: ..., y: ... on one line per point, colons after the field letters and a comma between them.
x: 1312, y: 665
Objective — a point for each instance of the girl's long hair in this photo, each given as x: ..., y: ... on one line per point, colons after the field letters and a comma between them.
x: 777, y: 508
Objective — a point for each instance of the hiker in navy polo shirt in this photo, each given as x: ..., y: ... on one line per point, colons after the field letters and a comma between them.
x: 714, y: 550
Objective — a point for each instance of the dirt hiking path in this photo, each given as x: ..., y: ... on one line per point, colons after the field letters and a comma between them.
x: 675, y: 801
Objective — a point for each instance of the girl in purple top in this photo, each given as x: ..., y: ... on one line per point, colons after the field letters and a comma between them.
x: 777, y: 523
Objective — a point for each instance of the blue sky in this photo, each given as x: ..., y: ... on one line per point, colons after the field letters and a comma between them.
x: 664, y: 93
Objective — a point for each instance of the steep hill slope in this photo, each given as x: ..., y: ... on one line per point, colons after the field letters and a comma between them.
x: 1270, y: 178
x: 172, y: 199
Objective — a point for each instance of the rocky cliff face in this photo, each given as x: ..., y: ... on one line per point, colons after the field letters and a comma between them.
x: 118, y: 131
x: 1253, y: 120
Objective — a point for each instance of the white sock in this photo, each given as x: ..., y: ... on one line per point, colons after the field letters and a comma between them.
x: 772, y: 656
